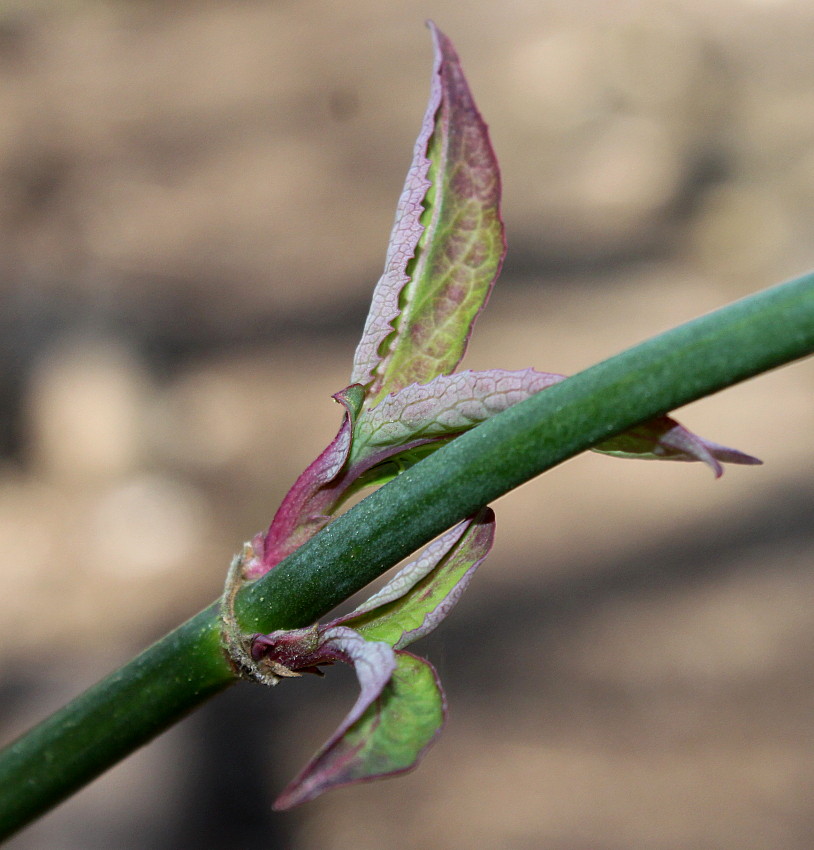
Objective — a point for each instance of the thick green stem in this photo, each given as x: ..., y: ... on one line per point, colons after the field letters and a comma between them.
x: 134, y: 704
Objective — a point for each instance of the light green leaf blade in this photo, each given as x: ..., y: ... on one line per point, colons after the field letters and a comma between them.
x: 446, y: 247
x: 388, y: 739
x: 421, y: 594
x: 445, y: 406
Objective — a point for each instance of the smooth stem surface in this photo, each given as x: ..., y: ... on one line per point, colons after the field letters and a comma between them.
x: 110, y: 720
x: 132, y: 705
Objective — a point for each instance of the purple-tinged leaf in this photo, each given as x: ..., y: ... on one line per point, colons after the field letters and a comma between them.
x: 308, y: 504
x: 388, y: 738
x: 287, y: 653
x: 446, y: 406
x: 451, y: 404
x: 400, y: 708
x: 305, y: 649
x: 373, y: 661
x: 446, y: 247
x: 410, y: 574
x: 421, y: 594
x: 665, y: 439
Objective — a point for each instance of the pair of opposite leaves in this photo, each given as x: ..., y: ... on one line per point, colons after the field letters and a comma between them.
x: 445, y: 252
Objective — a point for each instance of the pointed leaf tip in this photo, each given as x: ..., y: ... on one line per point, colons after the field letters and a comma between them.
x: 663, y: 438
x: 389, y: 737
x: 446, y: 247
x: 401, y: 707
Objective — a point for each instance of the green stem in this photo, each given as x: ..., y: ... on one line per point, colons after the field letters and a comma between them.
x: 137, y: 702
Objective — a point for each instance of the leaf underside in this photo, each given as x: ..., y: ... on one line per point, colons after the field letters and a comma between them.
x: 421, y: 594
x: 451, y: 404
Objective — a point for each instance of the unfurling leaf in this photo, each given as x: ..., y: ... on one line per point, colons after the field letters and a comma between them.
x: 445, y: 251
x: 388, y: 738
x: 451, y: 404
x: 445, y: 407
x: 446, y: 247
x: 308, y: 505
x: 401, y: 706
x: 665, y: 439
x: 423, y: 592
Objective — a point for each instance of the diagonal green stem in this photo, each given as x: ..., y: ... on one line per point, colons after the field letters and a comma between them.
x: 128, y: 708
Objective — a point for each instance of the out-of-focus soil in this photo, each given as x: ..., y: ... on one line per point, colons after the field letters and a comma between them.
x: 195, y: 204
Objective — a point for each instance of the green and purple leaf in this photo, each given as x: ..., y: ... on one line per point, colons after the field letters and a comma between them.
x: 665, y: 439
x: 421, y: 594
x: 401, y: 707
x: 306, y: 649
x: 388, y: 738
x: 308, y: 505
x: 446, y: 247
x: 445, y: 251
x: 451, y: 404
x: 446, y: 406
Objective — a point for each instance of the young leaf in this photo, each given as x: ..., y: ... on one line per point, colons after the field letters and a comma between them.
x: 446, y: 406
x: 287, y: 652
x: 445, y: 251
x: 388, y: 738
x: 451, y: 404
x: 308, y: 505
x: 446, y: 247
x: 422, y: 593
x: 400, y: 708
x: 665, y: 439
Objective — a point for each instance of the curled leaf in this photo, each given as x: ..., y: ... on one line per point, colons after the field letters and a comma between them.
x: 665, y: 439
x: 421, y: 594
x: 451, y: 404
x: 308, y: 505
x: 401, y: 707
x: 305, y: 649
x: 387, y: 738
x: 447, y: 243
x: 446, y: 249
x: 373, y: 662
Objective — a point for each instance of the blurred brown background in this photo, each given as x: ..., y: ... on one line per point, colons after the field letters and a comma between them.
x: 195, y: 204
